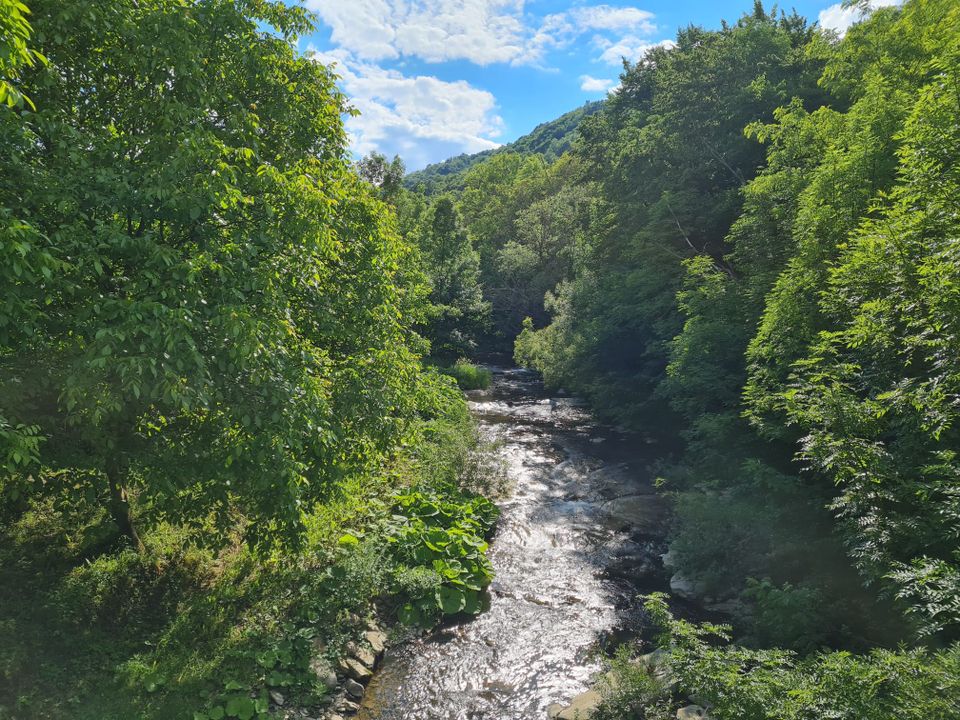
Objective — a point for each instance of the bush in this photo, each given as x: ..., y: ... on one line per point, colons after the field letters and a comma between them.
x: 468, y: 375
x: 743, y: 684
x: 444, y: 534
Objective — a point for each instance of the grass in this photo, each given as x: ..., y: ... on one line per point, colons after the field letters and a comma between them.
x: 92, y: 630
x: 468, y: 375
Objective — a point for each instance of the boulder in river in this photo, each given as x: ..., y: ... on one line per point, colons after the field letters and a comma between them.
x: 366, y: 657
x: 684, y: 587
x: 377, y: 640
x: 582, y: 707
x: 641, y: 511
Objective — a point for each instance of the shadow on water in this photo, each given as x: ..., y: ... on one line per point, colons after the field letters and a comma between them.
x: 579, y: 537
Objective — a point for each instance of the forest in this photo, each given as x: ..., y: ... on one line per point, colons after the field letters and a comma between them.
x: 237, y: 455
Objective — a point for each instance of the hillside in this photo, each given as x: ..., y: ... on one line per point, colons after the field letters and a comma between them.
x: 550, y: 139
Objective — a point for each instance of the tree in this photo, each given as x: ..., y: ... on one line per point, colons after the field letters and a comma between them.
x: 453, y: 267
x: 203, y: 312
x: 386, y: 176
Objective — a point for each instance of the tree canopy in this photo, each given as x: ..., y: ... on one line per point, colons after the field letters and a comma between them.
x: 203, y: 303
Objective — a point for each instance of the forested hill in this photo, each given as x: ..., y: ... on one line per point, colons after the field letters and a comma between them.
x: 550, y: 139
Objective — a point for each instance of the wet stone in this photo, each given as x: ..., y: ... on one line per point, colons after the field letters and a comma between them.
x: 582, y: 707
x: 366, y: 657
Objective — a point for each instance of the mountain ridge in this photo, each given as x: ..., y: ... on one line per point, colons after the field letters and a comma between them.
x: 550, y: 139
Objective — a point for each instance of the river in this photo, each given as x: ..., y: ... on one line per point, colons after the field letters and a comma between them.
x: 580, y: 535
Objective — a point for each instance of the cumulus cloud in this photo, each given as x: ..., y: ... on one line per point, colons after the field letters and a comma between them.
x: 419, y: 117
x: 480, y: 31
x: 423, y: 118
x: 605, y: 17
x: 592, y: 84
x: 840, y: 18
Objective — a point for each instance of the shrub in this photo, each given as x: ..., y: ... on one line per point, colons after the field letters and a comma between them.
x: 743, y: 684
x: 468, y: 375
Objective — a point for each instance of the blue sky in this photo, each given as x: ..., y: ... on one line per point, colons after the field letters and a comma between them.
x: 435, y: 78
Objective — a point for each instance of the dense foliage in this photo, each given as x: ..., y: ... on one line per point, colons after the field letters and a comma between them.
x: 210, y: 374
x: 220, y: 445
x: 204, y: 304
x: 739, y: 683
x: 773, y: 269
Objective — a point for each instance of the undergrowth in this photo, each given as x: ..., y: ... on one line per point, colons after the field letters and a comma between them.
x: 92, y: 630
x: 468, y: 375
x: 738, y: 683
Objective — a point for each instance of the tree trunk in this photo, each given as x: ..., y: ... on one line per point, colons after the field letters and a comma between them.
x: 120, y: 506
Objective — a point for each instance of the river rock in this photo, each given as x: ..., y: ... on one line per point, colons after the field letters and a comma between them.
x: 354, y: 669
x: 657, y: 663
x: 366, y: 657
x: 692, y: 712
x: 684, y: 587
x: 349, y: 707
x: 277, y: 698
x: 354, y: 688
x: 581, y: 707
x: 654, y: 660
x: 642, y: 511
x: 322, y: 670
x: 377, y: 640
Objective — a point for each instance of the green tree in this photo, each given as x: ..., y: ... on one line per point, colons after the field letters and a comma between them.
x: 386, y: 176
x: 453, y: 266
x: 202, y: 311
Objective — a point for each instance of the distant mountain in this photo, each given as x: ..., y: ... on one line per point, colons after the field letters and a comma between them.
x: 550, y: 139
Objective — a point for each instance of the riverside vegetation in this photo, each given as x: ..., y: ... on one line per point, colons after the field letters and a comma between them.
x: 229, y: 435
x: 222, y: 452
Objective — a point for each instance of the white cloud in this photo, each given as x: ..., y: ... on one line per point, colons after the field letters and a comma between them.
x: 481, y: 31
x: 592, y: 84
x: 421, y: 118
x: 840, y: 18
x: 631, y: 47
x: 605, y: 17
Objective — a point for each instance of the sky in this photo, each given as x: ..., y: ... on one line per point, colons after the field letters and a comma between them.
x: 436, y: 78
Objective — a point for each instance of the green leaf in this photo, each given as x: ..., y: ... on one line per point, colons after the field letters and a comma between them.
x: 348, y: 540
x: 450, y: 599
x: 241, y: 706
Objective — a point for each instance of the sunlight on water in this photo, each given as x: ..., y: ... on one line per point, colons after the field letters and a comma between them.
x: 552, y: 601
